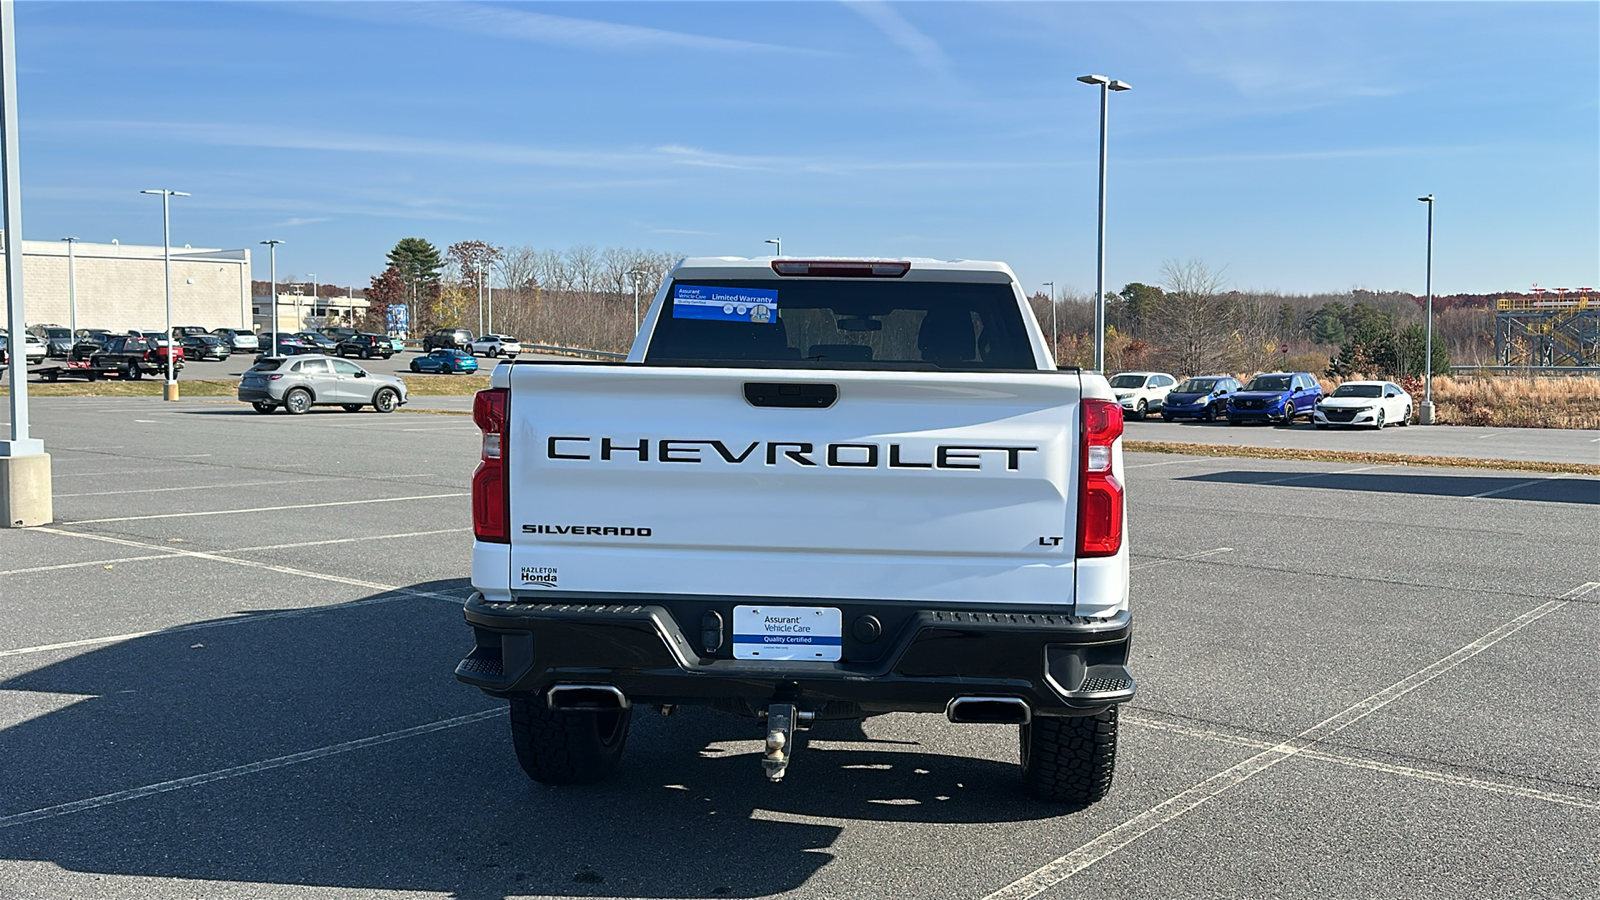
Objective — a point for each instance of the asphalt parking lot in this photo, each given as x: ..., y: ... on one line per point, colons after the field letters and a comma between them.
x: 227, y: 671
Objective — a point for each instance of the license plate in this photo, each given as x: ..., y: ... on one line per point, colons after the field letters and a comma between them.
x: 788, y: 632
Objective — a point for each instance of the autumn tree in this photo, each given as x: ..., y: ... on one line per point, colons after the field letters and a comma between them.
x: 387, y: 289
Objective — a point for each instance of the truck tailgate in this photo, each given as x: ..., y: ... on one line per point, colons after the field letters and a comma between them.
x: 913, y: 486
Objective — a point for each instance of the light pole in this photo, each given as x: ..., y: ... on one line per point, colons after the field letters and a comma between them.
x: 1055, y: 337
x: 488, y: 291
x: 480, y: 301
x: 72, y: 290
x: 636, y: 274
x: 171, y: 390
x: 1425, y: 415
x: 1106, y: 86
x: 313, y: 277
x: 778, y: 242
x: 272, y: 269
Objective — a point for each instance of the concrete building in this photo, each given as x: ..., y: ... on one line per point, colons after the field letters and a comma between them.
x: 120, y: 286
x: 297, y: 312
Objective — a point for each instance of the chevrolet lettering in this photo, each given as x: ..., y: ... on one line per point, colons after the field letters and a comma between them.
x: 867, y: 488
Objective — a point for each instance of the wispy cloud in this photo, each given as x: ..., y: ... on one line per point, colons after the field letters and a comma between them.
x: 908, y: 37
x: 301, y: 220
x: 544, y: 28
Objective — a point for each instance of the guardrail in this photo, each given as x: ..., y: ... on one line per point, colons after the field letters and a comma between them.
x: 574, y: 351
x: 1525, y: 370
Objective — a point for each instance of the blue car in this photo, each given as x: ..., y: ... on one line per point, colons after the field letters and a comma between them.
x: 445, y: 362
x: 1202, y: 397
x: 1275, y: 397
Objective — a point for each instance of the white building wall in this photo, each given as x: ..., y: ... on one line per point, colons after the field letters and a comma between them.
x: 121, y: 286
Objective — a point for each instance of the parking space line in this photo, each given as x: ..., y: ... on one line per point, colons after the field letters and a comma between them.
x: 352, y: 540
x: 1173, y: 462
x: 165, y: 554
x: 1373, y: 765
x: 1175, y: 559
x: 192, y: 487
x: 1108, y: 843
x: 1317, y: 475
x: 258, y: 509
x: 277, y: 762
x: 1524, y: 484
x: 54, y: 475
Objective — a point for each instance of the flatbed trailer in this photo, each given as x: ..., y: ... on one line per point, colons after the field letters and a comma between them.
x: 80, y: 368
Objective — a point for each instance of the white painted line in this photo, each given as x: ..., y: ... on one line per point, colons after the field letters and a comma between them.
x: 1494, y: 787
x: 277, y: 762
x: 258, y: 509
x: 1173, y: 462
x: 1086, y: 855
x: 1164, y: 562
x: 182, y: 455
x: 371, y: 537
x: 86, y: 564
x: 1318, y: 475
x: 122, y: 472
x: 193, y: 487
x: 1514, y: 487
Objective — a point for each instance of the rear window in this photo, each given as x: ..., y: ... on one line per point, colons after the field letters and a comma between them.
x: 57, y: 333
x: 267, y: 365
x: 842, y: 324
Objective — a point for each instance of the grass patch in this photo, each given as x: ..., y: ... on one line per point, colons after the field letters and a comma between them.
x: 1509, y: 401
x: 444, y: 385
x: 1357, y: 456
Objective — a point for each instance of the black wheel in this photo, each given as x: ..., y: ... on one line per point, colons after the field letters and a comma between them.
x: 415, y: 367
x: 263, y: 407
x: 447, y: 369
x: 567, y: 747
x: 297, y: 402
x: 1142, y: 411
x: 384, y: 401
x: 1069, y: 760
x: 1380, y: 420
x: 366, y: 354
x: 52, y: 375
x: 135, y: 372
x: 1288, y: 414
x: 1211, y: 414
x: 1406, y: 419
x: 351, y: 407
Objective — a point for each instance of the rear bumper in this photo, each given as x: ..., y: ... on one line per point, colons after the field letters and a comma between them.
x: 655, y: 650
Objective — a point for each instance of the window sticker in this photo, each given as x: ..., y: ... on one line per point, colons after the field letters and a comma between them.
x: 725, y: 304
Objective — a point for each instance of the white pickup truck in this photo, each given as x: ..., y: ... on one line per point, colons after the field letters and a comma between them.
x: 815, y: 489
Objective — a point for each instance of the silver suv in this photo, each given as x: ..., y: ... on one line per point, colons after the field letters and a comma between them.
x: 298, y: 383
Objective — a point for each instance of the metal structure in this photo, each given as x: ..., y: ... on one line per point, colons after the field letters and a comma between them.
x: 1554, y: 327
x: 1107, y: 85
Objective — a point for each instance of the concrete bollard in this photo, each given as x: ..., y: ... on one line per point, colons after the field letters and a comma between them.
x: 25, y: 497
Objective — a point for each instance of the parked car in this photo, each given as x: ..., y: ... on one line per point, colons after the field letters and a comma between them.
x: 34, y: 350
x: 1275, y: 397
x: 338, y: 335
x: 205, y: 346
x: 1375, y: 403
x: 134, y: 357
x: 1141, y: 393
x: 445, y: 362
x: 298, y: 383
x: 366, y: 346
x: 57, y: 341
x: 316, y: 340
x: 447, y: 339
x: 183, y: 331
x: 287, y: 345
x: 495, y: 345
x: 1204, y: 397
x: 238, y: 339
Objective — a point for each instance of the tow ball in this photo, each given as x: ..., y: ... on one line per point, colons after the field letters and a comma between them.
x: 783, y: 720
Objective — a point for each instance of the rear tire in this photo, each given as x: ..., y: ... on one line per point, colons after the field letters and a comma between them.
x: 1406, y: 419
x: 384, y: 401
x: 135, y: 372
x: 297, y: 402
x: 1141, y: 411
x: 263, y: 407
x: 567, y: 747
x: 1069, y: 760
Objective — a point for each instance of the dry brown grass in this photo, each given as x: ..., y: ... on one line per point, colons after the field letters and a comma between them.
x: 1355, y: 456
x: 1503, y: 401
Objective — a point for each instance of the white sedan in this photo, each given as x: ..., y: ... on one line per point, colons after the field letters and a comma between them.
x: 1375, y: 403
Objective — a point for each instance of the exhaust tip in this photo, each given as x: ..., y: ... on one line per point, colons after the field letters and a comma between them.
x: 989, y: 711
x: 576, y: 697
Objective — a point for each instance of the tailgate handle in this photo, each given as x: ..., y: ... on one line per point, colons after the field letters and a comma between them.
x: 791, y: 394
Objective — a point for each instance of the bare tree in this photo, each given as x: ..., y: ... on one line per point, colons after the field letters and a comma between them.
x: 1193, y: 320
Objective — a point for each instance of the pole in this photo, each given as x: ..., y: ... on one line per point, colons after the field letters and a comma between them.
x: 1055, y: 336
x: 171, y: 392
x: 1425, y: 416
x: 272, y: 300
x: 635, y: 301
x: 488, y: 289
x: 1100, y: 251
x: 313, y: 277
x: 72, y: 290
x: 480, y: 301
x: 20, y: 443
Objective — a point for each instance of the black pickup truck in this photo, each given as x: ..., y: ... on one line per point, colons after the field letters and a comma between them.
x: 133, y: 357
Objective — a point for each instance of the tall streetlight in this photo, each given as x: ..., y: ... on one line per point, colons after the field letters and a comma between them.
x: 72, y: 290
x: 313, y: 277
x: 1425, y: 415
x: 778, y: 242
x: 171, y: 390
x: 1106, y: 86
x: 480, y: 301
x: 1055, y: 337
x: 272, y: 268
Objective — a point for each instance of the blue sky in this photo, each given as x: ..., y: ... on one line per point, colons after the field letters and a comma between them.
x: 1282, y: 142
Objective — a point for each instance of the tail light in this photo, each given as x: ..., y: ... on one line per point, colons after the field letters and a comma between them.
x: 1099, y: 492
x: 491, y: 509
x: 842, y: 268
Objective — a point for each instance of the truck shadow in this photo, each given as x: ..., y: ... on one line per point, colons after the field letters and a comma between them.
x: 1530, y: 486
x: 689, y: 814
